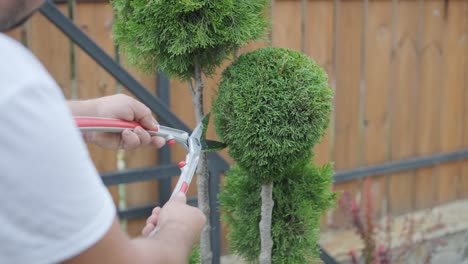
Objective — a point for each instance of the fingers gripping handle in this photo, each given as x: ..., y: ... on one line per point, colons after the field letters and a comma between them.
x: 116, y: 125
x: 192, y: 144
x: 184, y: 188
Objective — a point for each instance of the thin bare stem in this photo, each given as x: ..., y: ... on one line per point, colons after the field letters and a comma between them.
x: 265, y: 224
x: 191, y: 87
x: 202, y: 171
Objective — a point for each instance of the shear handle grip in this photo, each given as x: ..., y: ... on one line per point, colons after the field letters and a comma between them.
x: 104, y: 122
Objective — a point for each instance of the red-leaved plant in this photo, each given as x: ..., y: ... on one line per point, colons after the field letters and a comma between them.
x: 377, y: 250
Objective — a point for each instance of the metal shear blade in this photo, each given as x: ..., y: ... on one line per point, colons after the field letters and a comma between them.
x: 191, y: 160
x: 193, y: 143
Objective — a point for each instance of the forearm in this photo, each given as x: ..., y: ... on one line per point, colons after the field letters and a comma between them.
x: 160, y: 251
x: 83, y: 107
x: 170, y: 245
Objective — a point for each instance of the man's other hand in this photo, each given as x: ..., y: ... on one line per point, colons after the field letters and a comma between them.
x: 123, y: 107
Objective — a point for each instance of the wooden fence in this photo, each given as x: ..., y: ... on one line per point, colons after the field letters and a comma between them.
x: 399, y: 70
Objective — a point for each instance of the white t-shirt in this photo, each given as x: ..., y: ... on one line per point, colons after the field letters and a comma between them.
x: 53, y: 203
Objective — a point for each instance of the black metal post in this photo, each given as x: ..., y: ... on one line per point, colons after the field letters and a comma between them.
x: 326, y: 258
x: 140, y: 174
x: 215, y: 235
x: 164, y: 154
x: 400, y: 165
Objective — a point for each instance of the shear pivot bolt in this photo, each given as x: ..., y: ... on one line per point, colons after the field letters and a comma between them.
x: 182, y: 164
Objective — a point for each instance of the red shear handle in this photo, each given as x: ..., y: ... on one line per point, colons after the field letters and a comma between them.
x: 106, y: 122
x: 184, y: 187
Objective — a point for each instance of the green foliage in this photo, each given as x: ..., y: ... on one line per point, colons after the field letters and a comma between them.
x: 195, y: 256
x: 272, y: 106
x: 172, y: 35
x: 300, y: 199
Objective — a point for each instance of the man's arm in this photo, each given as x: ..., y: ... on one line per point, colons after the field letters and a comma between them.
x: 123, y: 107
x: 180, y: 226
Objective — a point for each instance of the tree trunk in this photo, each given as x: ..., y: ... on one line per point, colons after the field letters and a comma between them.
x: 265, y: 224
x: 202, y: 172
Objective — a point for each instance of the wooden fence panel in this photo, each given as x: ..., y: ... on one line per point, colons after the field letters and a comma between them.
x: 17, y: 33
x: 378, y: 56
x: 286, y: 24
x: 54, y: 51
x: 348, y: 70
x: 348, y: 73
x: 428, y: 119
x: 452, y: 101
x: 95, y: 19
x: 318, y: 44
x: 452, y: 106
x: 403, y: 101
x: 463, y: 40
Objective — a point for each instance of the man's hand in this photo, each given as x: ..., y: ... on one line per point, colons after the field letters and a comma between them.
x: 151, y: 222
x: 182, y: 220
x: 123, y: 107
x: 180, y: 226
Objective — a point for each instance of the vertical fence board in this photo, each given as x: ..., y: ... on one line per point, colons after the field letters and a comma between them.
x: 403, y: 101
x: 54, y: 51
x: 377, y: 89
x: 95, y: 19
x: 261, y: 43
x: 319, y: 46
x: 286, y: 23
x: 211, y: 87
x: 349, y: 26
x: 16, y: 33
x: 428, y: 119
x: 463, y: 40
x: 451, y: 102
x: 348, y: 74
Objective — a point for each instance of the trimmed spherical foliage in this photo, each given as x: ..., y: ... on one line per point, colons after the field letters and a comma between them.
x: 299, y: 201
x: 272, y: 106
x: 172, y: 35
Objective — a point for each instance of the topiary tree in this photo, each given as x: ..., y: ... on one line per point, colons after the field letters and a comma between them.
x: 300, y: 199
x: 187, y: 39
x: 272, y: 106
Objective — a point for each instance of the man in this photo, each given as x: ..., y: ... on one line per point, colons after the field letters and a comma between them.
x: 54, y: 207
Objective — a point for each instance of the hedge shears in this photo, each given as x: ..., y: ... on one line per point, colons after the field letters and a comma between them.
x: 194, y: 143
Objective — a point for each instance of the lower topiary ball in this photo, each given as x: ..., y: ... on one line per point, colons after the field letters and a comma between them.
x: 272, y: 106
x: 300, y: 199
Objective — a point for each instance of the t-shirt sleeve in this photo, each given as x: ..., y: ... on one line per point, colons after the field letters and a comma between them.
x: 54, y: 204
